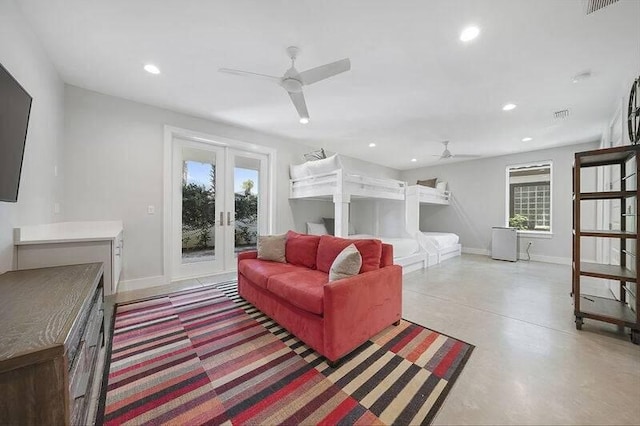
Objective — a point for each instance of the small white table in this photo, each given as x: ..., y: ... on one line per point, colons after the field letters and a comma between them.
x: 70, y: 243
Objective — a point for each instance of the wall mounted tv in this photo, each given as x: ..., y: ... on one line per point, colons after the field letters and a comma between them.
x: 15, y: 106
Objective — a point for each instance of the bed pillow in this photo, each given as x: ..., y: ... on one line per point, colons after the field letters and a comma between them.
x: 330, y: 247
x: 316, y: 229
x: 297, y: 171
x: 272, y: 247
x: 330, y: 224
x: 302, y: 249
x: 347, y: 264
x: 325, y: 165
x: 431, y: 183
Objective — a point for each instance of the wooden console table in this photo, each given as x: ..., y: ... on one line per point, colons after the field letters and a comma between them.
x: 51, y: 333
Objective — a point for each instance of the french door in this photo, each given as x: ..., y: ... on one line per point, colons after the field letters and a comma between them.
x: 218, y: 206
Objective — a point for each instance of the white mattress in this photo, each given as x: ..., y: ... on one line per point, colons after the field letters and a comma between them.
x: 402, y: 247
x: 442, y: 239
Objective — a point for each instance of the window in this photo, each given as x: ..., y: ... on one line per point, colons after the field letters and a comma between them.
x: 529, y: 197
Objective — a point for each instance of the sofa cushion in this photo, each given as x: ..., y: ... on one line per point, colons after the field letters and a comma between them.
x: 347, y: 264
x: 302, y: 249
x: 330, y: 247
x: 301, y: 288
x: 258, y: 271
x: 272, y: 247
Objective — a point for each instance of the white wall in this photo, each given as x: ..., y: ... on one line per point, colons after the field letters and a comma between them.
x: 478, y: 201
x: 22, y: 55
x: 113, y: 158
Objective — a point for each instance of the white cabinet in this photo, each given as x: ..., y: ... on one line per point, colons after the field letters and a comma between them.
x: 70, y: 243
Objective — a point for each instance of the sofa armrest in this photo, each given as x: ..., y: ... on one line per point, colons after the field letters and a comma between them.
x: 359, y: 307
x: 252, y: 254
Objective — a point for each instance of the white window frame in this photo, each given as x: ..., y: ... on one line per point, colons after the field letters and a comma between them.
x: 524, y: 232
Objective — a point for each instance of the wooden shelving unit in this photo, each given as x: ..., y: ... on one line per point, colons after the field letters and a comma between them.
x: 624, y: 311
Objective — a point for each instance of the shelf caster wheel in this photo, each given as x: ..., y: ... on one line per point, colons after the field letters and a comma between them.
x: 579, y: 323
x: 635, y: 337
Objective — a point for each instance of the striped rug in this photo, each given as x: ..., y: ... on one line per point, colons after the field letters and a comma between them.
x: 206, y: 356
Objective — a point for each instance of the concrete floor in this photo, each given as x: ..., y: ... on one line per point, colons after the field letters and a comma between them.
x: 530, y: 365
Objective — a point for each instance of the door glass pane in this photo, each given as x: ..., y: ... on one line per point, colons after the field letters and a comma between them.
x: 198, y: 211
x: 246, y: 186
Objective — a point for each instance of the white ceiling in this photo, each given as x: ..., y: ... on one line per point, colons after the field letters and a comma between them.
x: 412, y: 82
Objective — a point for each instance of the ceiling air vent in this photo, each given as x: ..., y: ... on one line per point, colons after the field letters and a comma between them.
x: 595, y: 5
x: 562, y: 114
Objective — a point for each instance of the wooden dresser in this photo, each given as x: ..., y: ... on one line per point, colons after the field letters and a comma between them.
x: 51, y: 332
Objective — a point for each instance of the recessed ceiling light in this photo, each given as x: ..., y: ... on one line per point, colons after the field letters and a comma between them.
x: 304, y: 120
x: 372, y: 145
x: 469, y: 33
x: 152, y: 69
x: 509, y: 107
x: 413, y: 160
x: 527, y: 139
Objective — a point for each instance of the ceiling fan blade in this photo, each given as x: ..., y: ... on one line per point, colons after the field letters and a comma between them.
x: 250, y: 74
x: 466, y: 156
x: 299, y: 103
x: 325, y: 71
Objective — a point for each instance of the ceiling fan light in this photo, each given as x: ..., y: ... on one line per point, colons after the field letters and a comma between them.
x: 509, y: 107
x: 372, y: 145
x: 527, y: 139
x: 304, y: 120
x: 413, y: 160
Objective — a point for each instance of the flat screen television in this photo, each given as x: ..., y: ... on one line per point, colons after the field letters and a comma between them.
x: 15, y: 106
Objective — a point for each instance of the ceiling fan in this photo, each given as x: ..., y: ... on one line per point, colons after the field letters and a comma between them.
x: 292, y: 81
x: 446, y: 154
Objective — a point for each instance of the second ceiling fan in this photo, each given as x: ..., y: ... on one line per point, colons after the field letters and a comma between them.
x: 446, y: 154
x: 292, y: 81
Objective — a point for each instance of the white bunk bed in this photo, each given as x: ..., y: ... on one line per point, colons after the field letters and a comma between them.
x: 326, y: 180
x: 428, y: 195
x: 438, y: 245
x: 407, y: 252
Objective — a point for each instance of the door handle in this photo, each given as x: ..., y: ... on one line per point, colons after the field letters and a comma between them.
x: 228, y: 218
x: 221, y: 218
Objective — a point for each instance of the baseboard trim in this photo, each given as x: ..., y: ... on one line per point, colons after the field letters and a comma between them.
x: 523, y: 256
x: 142, y: 283
x: 471, y: 250
x: 546, y: 259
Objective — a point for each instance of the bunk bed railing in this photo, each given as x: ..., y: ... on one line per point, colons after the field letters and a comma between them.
x: 340, y: 182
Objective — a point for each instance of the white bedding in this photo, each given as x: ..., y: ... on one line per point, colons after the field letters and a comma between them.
x: 442, y: 239
x: 402, y: 247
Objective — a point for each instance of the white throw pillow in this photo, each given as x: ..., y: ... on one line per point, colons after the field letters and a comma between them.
x: 325, y: 165
x: 272, y: 247
x: 441, y: 186
x: 297, y: 171
x: 316, y: 229
x: 346, y: 264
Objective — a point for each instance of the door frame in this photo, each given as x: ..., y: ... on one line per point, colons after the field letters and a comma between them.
x: 171, y: 133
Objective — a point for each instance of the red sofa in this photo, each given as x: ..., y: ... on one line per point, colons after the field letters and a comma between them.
x: 333, y: 318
